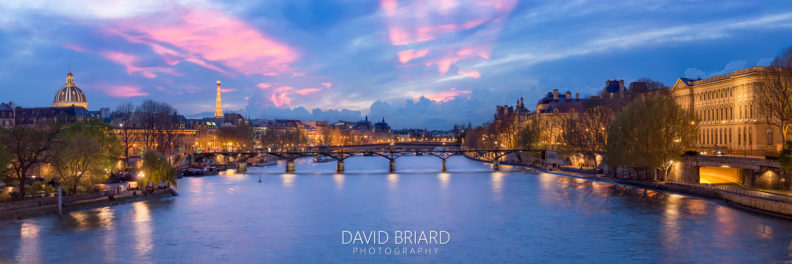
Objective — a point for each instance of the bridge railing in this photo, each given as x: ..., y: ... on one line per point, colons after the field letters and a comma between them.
x: 738, y: 189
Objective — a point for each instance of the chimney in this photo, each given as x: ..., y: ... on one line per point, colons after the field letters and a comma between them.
x: 577, y: 96
x: 568, y: 95
x: 555, y: 94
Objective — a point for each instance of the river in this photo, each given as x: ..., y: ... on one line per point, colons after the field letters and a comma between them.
x: 515, y: 215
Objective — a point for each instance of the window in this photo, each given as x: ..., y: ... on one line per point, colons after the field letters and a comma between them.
x: 739, y: 136
x: 750, y: 136
x: 769, y: 136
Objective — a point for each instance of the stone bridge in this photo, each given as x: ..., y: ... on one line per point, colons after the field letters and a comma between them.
x: 751, y: 172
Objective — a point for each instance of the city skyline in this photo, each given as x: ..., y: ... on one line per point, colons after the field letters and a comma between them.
x: 408, y: 63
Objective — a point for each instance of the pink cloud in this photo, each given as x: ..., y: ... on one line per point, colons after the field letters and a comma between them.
x: 307, y: 91
x: 327, y: 85
x: 442, y: 97
x: 470, y: 73
x: 410, y: 54
x: 263, y: 86
x: 74, y: 47
x: 129, y: 61
x: 415, y: 23
x: 227, y: 90
x: 280, y: 96
x: 209, y: 38
x: 125, y: 91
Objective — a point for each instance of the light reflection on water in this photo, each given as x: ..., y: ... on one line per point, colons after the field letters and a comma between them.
x: 507, y: 216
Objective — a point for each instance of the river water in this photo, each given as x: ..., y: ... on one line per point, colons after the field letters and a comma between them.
x: 515, y: 215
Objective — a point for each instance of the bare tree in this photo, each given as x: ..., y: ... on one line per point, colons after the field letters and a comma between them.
x: 774, y: 93
x: 125, y: 124
x: 587, y: 132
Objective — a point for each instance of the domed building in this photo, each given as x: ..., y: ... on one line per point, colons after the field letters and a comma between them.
x: 70, y: 95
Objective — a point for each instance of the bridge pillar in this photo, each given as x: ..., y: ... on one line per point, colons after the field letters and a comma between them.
x: 290, y: 166
x: 340, y: 166
x: 496, y: 165
x: 444, y: 166
x: 392, y: 165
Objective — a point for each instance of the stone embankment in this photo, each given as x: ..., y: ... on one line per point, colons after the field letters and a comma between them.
x: 758, y: 201
x: 49, y: 205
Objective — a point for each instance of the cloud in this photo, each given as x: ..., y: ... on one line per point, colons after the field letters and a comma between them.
x: 228, y: 90
x: 444, y: 96
x: 126, y: 91
x: 307, y: 91
x: 327, y: 85
x: 209, y: 38
x: 449, y: 31
x: 74, y: 47
x: 693, y: 73
x: 263, y: 86
x: 129, y: 61
x: 470, y: 73
x: 280, y: 96
x: 764, y: 62
x: 410, y: 54
x: 635, y: 36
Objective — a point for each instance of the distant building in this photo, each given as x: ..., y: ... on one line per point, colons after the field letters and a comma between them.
x: 6, y: 115
x: 725, y: 106
x: 70, y: 95
x: 614, y: 89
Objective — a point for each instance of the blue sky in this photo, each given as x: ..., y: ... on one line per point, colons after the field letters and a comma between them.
x: 421, y: 64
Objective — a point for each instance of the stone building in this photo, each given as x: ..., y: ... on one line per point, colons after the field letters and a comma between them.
x: 726, y: 108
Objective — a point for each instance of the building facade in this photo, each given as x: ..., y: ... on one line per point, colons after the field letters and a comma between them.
x: 726, y: 109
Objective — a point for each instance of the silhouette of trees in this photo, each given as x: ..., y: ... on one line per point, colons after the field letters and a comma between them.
x: 774, y: 93
x: 650, y: 133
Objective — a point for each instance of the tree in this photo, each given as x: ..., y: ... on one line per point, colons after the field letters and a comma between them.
x: 84, y: 152
x: 125, y: 122
x: 785, y: 159
x: 586, y: 133
x: 774, y: 93
x: 5, y: 163
x: 157, y: 121
x: 530, y: 135
x: 28, y: 147
x: 156, y: 170
x: 650, y: 133
x: 241, y: 135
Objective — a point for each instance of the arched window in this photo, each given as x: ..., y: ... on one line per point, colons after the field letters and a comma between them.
x: 750, y: 136
x: 739, y: 136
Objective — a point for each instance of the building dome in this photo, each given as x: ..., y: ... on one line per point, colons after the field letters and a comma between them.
x: 70, y: 95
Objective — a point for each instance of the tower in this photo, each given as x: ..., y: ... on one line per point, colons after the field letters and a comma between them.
x: 218, y: 105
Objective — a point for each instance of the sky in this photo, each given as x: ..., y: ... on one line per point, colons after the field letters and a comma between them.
x: 417, y: 64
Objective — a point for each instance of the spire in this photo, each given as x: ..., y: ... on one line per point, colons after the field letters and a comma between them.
x: 69, y: 79
x: 218, y: 104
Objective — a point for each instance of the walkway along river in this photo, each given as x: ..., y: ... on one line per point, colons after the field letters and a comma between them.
x: 514, y: 215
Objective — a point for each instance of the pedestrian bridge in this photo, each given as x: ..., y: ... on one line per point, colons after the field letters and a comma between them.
x: 390, y: 152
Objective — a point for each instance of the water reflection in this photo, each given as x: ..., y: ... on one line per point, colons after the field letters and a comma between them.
x: 393, y: 181
x: 496, y: 178
x: 444, y: 178
x: 30, y: 243
x: 571, y: 218
x: 288, y: 179
x: 338, y: 178
x: 142, y: 230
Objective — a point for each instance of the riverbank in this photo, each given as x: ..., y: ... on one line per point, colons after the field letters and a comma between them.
x: 45, y: 206
x: 761, y: 202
